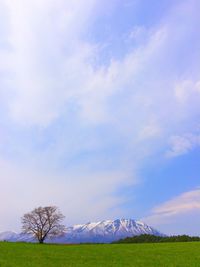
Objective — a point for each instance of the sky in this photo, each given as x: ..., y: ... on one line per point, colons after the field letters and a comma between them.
x: 100, y: 111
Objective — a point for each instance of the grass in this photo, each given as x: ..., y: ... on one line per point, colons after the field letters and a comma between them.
x: 119, y: 255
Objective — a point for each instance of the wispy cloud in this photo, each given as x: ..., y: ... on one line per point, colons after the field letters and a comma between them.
x: 81, y: 196
x: 177, y: 211
x: 64, y: 111
x: 181, y: 145
x: 181, y: 204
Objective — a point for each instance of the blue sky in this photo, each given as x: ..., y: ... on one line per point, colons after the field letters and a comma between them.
x: 99, y: 111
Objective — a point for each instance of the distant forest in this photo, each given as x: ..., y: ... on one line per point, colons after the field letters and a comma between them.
x: 157, y: 239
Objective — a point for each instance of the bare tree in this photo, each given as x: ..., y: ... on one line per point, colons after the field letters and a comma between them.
x: 43, y: 222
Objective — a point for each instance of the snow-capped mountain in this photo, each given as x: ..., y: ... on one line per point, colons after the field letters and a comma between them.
x: 9, y: 236
x: 99, y: 232
x: 16, y: 237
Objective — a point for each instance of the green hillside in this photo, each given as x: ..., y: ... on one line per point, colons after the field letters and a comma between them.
x: 119, y: 255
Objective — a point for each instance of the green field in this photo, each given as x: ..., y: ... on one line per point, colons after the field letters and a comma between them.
x: 148, y: 255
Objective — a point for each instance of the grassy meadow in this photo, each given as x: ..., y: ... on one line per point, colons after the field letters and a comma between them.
x: 119, y: 255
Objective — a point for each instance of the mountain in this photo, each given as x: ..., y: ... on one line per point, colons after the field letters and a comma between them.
x: 16, y: 237
x: 9, y: 236
x: 99, y: 232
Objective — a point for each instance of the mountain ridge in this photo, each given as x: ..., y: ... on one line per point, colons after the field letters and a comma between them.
x: 105, y: 231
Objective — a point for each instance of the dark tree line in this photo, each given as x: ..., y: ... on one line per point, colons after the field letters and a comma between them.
x: 145, y: 238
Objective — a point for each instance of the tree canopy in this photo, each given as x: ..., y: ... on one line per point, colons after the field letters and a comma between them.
x: 145, y: 238
x: 43, y: 222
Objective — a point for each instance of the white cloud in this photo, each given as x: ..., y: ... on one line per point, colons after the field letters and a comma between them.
x: 47, y: 59
x: 175, y: 215
x: 139, y: 34
x: 51, y: 67
x: 181, y: 145
x: 181, y: 204
x: 81, y: 196
x: 134, y: 104
x: 187, y: 91
x: 151, y: 130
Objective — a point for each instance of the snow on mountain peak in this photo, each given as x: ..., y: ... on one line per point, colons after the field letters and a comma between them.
x: 97, y: 232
